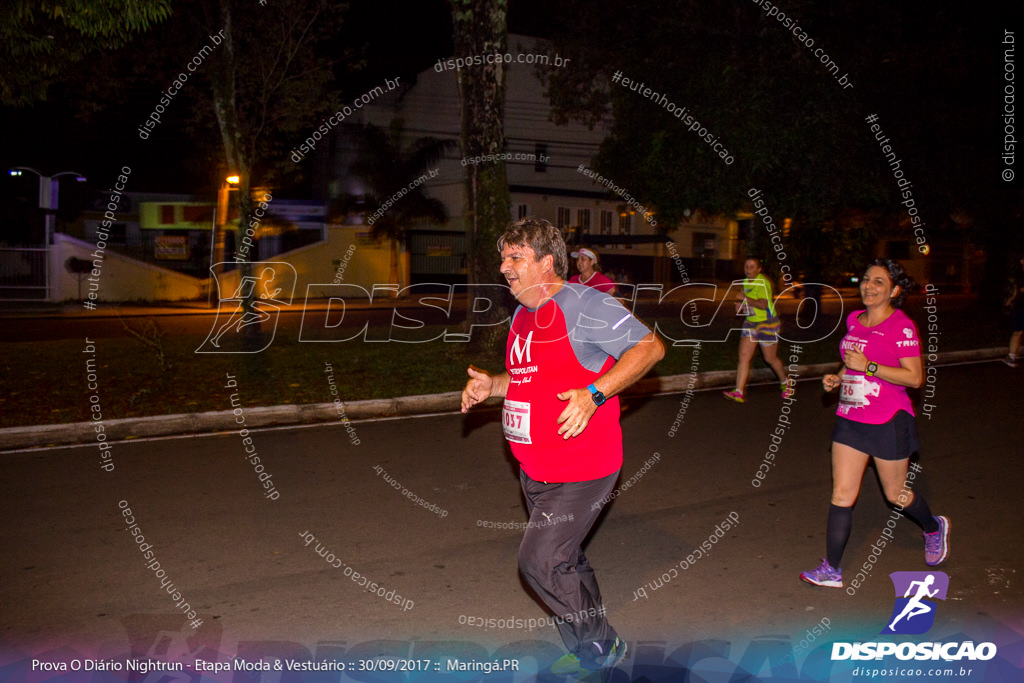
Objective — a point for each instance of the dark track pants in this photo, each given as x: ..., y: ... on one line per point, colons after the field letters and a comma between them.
x: 551, y: 558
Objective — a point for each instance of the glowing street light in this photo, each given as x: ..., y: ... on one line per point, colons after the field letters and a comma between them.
x: 230, y: 183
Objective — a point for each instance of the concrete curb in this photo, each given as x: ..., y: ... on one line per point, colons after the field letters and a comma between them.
x: 224, y: 420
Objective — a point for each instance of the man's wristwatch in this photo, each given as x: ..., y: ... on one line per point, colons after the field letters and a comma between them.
x: 597, y: 395
x: 871, y: 369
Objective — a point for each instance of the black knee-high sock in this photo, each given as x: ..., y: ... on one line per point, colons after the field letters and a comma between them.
x: 840, y: 521
x: 919, y: 513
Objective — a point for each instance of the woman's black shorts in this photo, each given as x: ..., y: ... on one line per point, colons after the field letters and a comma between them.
x: 892, y: 440
x: 1018, y: 317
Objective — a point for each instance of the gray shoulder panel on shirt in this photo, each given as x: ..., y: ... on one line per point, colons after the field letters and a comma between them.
x: 599, y: 325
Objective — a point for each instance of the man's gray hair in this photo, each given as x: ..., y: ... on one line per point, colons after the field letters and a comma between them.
x: 542, y: 237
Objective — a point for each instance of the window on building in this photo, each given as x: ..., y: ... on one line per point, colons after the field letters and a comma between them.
x: 583, y: 220
x: 541, y: 158
x: 167, y: 214
x: 705, y: 244
x: 606, y: 222
x: 522, y: 211
x: 626, y: 225
x: 195, y: 214
x: 564, y: 217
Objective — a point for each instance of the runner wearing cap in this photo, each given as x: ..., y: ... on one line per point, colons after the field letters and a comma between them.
x: 586, y: 263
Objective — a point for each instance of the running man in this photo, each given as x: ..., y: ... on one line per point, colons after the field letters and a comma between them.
x: 571, y: 350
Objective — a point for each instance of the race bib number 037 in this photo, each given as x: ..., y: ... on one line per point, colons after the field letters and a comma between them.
x: 515, y: 420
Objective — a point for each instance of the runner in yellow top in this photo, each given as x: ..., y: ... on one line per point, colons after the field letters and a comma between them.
x: 761, y: 327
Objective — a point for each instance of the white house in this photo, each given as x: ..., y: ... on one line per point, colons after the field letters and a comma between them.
x: 549, y: 175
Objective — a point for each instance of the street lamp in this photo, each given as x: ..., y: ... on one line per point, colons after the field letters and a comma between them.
x: 220, y: 218
x: 229, y: 183
x: 48, y: 190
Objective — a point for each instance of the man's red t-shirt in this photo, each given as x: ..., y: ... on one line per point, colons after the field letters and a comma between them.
x: 567, y: 343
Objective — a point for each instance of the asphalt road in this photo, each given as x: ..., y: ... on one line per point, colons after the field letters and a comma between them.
x: 75, y: 583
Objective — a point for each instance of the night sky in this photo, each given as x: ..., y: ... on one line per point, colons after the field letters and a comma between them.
x: 397, y: 37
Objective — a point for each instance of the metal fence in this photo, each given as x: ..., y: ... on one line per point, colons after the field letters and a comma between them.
x: 23, y: 274
x: 438, y: 256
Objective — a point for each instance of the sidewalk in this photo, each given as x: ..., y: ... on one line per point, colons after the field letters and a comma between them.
x: 195, y: 424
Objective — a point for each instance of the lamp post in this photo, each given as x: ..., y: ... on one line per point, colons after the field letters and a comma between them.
x: 220, y: 218
x: 48, y: 192
x: 223, y: 211
x: 228, y: 184
x: 49, y: 188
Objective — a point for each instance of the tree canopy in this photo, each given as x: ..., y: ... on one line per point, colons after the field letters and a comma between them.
x: 391, y: 172
x: 40, y: 40
x: 788, y: 98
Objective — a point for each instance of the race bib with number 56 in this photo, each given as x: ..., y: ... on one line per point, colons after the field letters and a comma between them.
x: 853, y: 392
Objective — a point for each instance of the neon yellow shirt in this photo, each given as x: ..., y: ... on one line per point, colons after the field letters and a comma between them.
x: 759, y: 288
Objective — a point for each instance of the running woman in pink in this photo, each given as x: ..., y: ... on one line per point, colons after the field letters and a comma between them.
x: 881, y: 358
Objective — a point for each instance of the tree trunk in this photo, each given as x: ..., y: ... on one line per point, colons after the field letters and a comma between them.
x: 238, y: 161
x: 480, y: 27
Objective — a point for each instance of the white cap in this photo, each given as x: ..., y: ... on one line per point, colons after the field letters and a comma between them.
x: 586, y: 252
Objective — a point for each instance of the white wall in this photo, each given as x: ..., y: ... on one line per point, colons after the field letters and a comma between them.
x: 368, y: 263
x: 118, y: 278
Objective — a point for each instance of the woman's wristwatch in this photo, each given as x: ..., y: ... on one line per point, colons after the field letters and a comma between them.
x: 871, y: 369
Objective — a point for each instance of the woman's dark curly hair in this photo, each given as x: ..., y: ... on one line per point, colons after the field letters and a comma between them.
x: 897, y: 276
